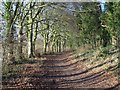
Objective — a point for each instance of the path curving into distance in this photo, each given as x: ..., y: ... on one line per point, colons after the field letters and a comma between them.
x: 59, y: 71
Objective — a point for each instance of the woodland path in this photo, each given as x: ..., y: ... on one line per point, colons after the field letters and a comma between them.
x: 59, y: 71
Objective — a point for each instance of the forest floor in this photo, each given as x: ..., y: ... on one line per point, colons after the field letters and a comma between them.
x: 61, y: 70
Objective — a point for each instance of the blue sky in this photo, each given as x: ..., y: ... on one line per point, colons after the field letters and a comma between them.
x: 102, y: 5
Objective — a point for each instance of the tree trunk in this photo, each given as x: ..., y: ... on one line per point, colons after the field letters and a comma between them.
x: 59, y: 44
x: 10, y: 44
x: 35, y: 37
x: 45, y: 44
x: 119, y: 56
x: 30, y: 43
x: 64, y: 45
x: 20, y: 44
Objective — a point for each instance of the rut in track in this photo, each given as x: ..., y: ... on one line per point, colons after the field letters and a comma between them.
x: 60, y: 71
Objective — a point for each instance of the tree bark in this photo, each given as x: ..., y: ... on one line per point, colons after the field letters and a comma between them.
x: 20, y: 47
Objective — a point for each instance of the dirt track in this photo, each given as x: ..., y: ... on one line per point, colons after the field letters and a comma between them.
x: 60, y: 71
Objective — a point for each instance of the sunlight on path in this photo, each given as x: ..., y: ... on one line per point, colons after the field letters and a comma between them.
x: 60, y: 71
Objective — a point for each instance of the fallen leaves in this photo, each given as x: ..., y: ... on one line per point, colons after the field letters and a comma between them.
x: 72, y: 76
